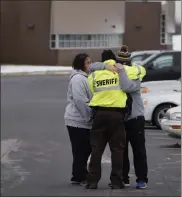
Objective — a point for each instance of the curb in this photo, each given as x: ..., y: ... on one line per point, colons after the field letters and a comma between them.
x: 37, y: 73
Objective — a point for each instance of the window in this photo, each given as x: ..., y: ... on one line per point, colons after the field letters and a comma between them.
x: 79, y: 41
x: 163, y: 29
x: 163, y: 61
x: 53, y: 41
x: 137, y: 58
x: 140, y: 58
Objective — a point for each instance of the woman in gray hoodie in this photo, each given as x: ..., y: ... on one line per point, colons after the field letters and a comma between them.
x: 78, y: 115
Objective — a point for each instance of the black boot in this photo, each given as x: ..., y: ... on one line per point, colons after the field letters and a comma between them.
x: 121, y: 186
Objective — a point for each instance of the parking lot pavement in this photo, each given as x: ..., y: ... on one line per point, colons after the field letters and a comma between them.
x: 36, y: 157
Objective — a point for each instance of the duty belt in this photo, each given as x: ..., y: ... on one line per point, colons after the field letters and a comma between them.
x: 110, y: 109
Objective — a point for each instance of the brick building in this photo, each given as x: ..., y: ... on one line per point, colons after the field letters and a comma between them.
x: 53, y: 32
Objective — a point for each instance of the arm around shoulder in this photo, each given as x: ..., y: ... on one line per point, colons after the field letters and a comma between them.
x: 97, y: 66
x: 126, y: 84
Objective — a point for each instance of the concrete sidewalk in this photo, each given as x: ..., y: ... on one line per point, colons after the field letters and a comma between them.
x: 34, y: 70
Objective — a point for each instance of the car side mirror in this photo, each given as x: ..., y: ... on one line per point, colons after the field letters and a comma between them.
x: 151, y: 65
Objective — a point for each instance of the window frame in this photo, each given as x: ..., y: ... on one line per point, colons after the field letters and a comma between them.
x: 163, y: 34
x: 53, y: 41
x: 91, y: 41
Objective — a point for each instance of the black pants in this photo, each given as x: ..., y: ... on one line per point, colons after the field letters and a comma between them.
x: 108, y: 126
x: 135, y: 134
x: 81, y: 150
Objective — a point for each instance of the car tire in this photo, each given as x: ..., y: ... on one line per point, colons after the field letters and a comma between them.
x: 158, y: 112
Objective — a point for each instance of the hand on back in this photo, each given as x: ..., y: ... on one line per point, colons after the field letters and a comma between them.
x: 114, y: 68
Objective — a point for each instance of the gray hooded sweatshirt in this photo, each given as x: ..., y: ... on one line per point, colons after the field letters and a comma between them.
x: 78, y: 113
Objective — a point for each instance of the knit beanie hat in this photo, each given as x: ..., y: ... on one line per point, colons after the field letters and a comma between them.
x: 124, y: 54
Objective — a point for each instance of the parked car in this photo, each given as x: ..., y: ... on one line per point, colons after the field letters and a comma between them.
x: 153, y: 86
x: 171, y: 123
x: 139, y: 56
x: 157, y: 102
x: 165, y: 65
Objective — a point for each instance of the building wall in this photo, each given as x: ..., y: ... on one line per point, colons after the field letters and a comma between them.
x: 142, y: 25
x: 10, y: 37
x: 25, y: 28
x: 25, y: 33
x: 87, y: 17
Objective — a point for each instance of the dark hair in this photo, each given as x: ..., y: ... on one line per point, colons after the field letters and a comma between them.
x: 107, y: 55
x: 79, y: 61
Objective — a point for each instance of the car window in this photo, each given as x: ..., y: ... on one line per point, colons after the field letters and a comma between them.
x: 148, y: 59
x: 163, y: 61
x: 138, y: 58
x: 147, y: 55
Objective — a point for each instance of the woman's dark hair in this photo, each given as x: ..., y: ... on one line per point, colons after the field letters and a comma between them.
x: 79, y: 61
x: 107, y: 55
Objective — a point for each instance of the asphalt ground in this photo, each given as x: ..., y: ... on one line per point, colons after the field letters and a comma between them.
x: 35, y: 149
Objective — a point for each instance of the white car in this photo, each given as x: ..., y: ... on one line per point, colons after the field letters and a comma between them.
x: 153, y: 86
x: 171, y: 123
x: 158, y: 99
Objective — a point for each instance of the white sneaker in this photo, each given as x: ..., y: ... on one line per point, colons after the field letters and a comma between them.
x: 127, y: 184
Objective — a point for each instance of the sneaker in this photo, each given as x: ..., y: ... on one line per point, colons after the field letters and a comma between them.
x: 83, y: 183
x: 127, y: 183
x: 141, y: 185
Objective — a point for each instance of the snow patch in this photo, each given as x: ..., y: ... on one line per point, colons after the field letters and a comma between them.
x: 26, y: 68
